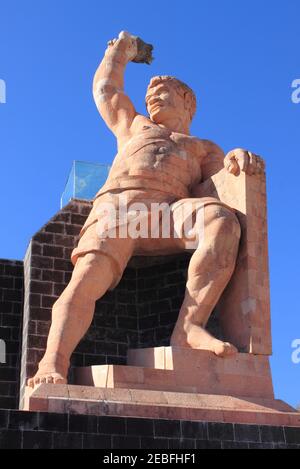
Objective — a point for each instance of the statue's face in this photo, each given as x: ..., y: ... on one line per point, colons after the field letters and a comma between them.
x: 164, y: 102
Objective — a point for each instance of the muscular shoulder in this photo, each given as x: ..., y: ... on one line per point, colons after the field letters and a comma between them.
x: 207, y: 148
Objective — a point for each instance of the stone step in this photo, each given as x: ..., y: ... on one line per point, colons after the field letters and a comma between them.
x: 183, y: 370
x: 89, y: 400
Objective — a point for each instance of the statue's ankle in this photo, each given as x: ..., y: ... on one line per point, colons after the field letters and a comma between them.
x: 54, y: 362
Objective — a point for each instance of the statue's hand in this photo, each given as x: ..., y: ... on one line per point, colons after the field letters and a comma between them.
x: 126, y: 44
x: 241, y: 160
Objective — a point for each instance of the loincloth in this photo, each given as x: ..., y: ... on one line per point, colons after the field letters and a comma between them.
x: 117, y: 243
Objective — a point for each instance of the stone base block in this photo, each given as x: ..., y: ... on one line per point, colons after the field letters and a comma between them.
x: 184, y: 370
x: 160, y: 405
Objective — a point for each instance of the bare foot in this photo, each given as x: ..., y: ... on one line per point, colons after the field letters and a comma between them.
x: 196, y: 337
x: 49, y: 377
x: 53, y: 369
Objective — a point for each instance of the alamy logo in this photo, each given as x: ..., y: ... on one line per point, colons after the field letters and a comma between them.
x: 2, y: 351
x: 296, y: 92
x: 137, y: 220
x: 2, y: 92
x: 296, y: 353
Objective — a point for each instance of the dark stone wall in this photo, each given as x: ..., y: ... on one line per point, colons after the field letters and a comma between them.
x: 11, y: 306
x: 29, y: 430
x: 47, y: 269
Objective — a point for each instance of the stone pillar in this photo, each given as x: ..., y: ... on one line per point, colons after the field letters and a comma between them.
x: 244, y: 307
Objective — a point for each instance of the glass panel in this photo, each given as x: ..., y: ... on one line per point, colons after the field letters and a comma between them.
x: 84, y: 181
x: 69, y: 189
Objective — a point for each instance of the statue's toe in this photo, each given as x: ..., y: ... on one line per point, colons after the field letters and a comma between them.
x: 225, y: 349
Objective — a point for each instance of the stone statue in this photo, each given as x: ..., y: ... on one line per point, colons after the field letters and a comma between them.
x: 158, y: 161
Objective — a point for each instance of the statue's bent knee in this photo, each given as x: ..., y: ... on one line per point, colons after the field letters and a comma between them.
x: 228, y: 218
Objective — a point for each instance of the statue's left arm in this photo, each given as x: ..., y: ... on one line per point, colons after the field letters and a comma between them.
x: 234, y: 162
x: 211, y: 163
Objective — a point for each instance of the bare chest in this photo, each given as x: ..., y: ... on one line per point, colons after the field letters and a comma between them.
x: 153, y: 143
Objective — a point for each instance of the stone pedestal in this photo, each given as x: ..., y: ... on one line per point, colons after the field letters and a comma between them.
x: 137, y: 403
x: 174, y: 383
x: 44, y: 430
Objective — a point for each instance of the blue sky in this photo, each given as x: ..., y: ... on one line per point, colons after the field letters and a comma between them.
x: 240, y: 57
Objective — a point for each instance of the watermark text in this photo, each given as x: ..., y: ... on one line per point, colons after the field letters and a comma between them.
x: 2, y: 92
x: 296, y: 352
x: 296, y: 92
x: 159, y: 220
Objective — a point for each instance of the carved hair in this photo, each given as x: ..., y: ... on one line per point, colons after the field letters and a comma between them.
x: 181, y: 88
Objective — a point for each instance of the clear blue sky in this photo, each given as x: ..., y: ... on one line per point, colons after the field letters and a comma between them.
x: 240, y: 57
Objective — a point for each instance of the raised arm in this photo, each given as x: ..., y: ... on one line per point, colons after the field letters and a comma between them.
x: 115, y: 107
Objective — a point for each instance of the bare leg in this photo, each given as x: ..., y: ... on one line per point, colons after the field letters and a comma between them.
x: 210, y: 269
x: 72, y: 315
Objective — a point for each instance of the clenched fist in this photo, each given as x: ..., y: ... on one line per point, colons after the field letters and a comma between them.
x: 126, y: 44
x: 241, y: 160
x: 133, y: 47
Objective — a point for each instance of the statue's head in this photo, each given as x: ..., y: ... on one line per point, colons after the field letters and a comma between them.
x: 166, y: 96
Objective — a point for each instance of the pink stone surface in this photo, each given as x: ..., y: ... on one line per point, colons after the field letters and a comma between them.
x: 159, y: 404
x: 178, y: 358
x: 184, y: 370
x: 202, y: 371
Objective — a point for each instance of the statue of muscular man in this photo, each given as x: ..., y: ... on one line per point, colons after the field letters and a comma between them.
x: 158, y: 161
